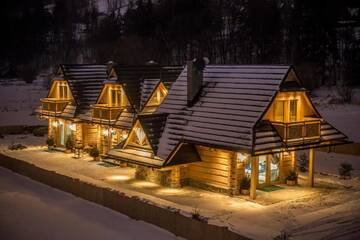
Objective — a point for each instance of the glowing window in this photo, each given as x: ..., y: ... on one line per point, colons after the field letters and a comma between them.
x: 279, y: 111
x: 63, y: 92
x: 293, y: 110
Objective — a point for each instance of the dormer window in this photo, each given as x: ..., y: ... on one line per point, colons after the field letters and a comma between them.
x: 158, y: 96
x: 293, y: 110
x: 115, y: 97
x: 286, y: 110
x: 63, y: 91
x: 279, y: 110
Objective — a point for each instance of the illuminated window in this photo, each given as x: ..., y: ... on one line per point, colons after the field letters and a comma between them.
x: 115, y: 97
x: 158, y: 96
x: 279, y: 111
x: 293, y: 110
x: 140, y: 136
x: 63, y: 92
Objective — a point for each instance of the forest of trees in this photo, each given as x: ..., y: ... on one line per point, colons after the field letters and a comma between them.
x: 321, y: 38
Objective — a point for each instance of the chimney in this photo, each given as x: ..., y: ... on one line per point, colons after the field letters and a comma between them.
x: 194, y: 79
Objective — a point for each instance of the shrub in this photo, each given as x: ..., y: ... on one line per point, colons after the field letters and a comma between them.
x: 17, y: 146
x: 197, y: 216
x: 345, y: 170
x: 40, y: 131
x: 94, y: 152
x: 50, y: 141
x: 292, y: 176
x: 303, y: 162
x: 69, y: 143
x: 245, y: 182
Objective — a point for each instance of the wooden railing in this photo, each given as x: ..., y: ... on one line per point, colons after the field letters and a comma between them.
x: 53, y: 106
x: 294, y: 132
x: 101, y: 112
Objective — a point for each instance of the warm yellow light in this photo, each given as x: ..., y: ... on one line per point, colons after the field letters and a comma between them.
x: 55, y: 124
x: 170, y: 191
x: 72, y: 127
x: 145, y: 184
x: 118, y: 178
x: 241, y: 157
x: 105, y: 132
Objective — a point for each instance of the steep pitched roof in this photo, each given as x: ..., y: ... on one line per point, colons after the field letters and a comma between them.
x: 135, y: 85
x: 153, y: 126
x: 232, y: 100
x: 85, y: 82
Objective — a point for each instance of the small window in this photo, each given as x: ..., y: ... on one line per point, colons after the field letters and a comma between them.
x: 140, y: 136
x: 293, y: 110
x: 63, y: 92
x: 279, y: 111
x: 115, y: 97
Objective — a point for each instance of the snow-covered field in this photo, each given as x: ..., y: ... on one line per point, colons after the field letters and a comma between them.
x: 30, y: 210
x: 19, y: 100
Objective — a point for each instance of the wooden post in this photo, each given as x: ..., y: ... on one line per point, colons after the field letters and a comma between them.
x: 254, y: 176
x: 311, y: 168
x: 233, y: 176
x: 175, y: 181
x: 268, y: 170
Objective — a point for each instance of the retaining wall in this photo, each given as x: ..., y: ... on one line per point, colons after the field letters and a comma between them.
x: 133, y: 207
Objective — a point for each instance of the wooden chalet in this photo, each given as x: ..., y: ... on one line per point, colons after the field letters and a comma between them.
x: 95, y: 105
x: 218, y: 124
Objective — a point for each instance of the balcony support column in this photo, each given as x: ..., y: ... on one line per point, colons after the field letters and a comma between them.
x: 311, y: 168
x: 254, y: 162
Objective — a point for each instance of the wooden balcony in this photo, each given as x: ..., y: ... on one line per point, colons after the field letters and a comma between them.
x: 104, y: 113
x: 298, y: 132
x: 53, y: 106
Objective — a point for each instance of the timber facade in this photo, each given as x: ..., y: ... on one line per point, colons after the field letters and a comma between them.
x: 204, y: 126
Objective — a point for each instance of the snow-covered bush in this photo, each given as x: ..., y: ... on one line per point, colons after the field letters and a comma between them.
x: 16, y: 146
x: 94, y: 152
x: 40, y: 131
x: 292, y: 176
x: 245, y: 183
x: 303, y: 162
x: 50, y: 142
x: 69, y: 143
x: 345, y: 170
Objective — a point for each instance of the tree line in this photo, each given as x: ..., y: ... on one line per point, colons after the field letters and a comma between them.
x: 321, y: 38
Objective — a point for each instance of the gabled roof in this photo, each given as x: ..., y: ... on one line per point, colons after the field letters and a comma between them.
x: 153, y: 125
x: 132, y: 78
x: 85, y: 82
x: 232, y: 100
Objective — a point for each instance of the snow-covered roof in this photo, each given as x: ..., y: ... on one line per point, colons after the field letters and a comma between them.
x: 85, y: 82
x: 232, y: 99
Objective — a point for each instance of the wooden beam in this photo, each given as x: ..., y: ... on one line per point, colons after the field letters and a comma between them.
x: 254, y: 162
x: 268, y: 170
x: 311, y: 168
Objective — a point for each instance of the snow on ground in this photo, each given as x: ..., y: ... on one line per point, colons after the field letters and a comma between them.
x: 345, y: 117
x: 30, y: 210
x: 19, y: 100
x: 293, y: 209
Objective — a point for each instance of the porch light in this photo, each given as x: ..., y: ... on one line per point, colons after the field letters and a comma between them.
x: 113, y: 132
x: 55, y: 124
x: 72, y: 127
x: 105, y: 133
x: 241, y: 157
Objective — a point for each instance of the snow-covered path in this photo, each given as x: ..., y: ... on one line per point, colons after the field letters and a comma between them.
x: 30, y: 210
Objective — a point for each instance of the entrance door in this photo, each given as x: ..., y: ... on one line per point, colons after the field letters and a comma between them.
x: 268, y: 169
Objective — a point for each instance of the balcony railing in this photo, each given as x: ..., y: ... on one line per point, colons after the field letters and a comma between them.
x: 105, y: 113
x: 294, y: 132
x: 52, y: 106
